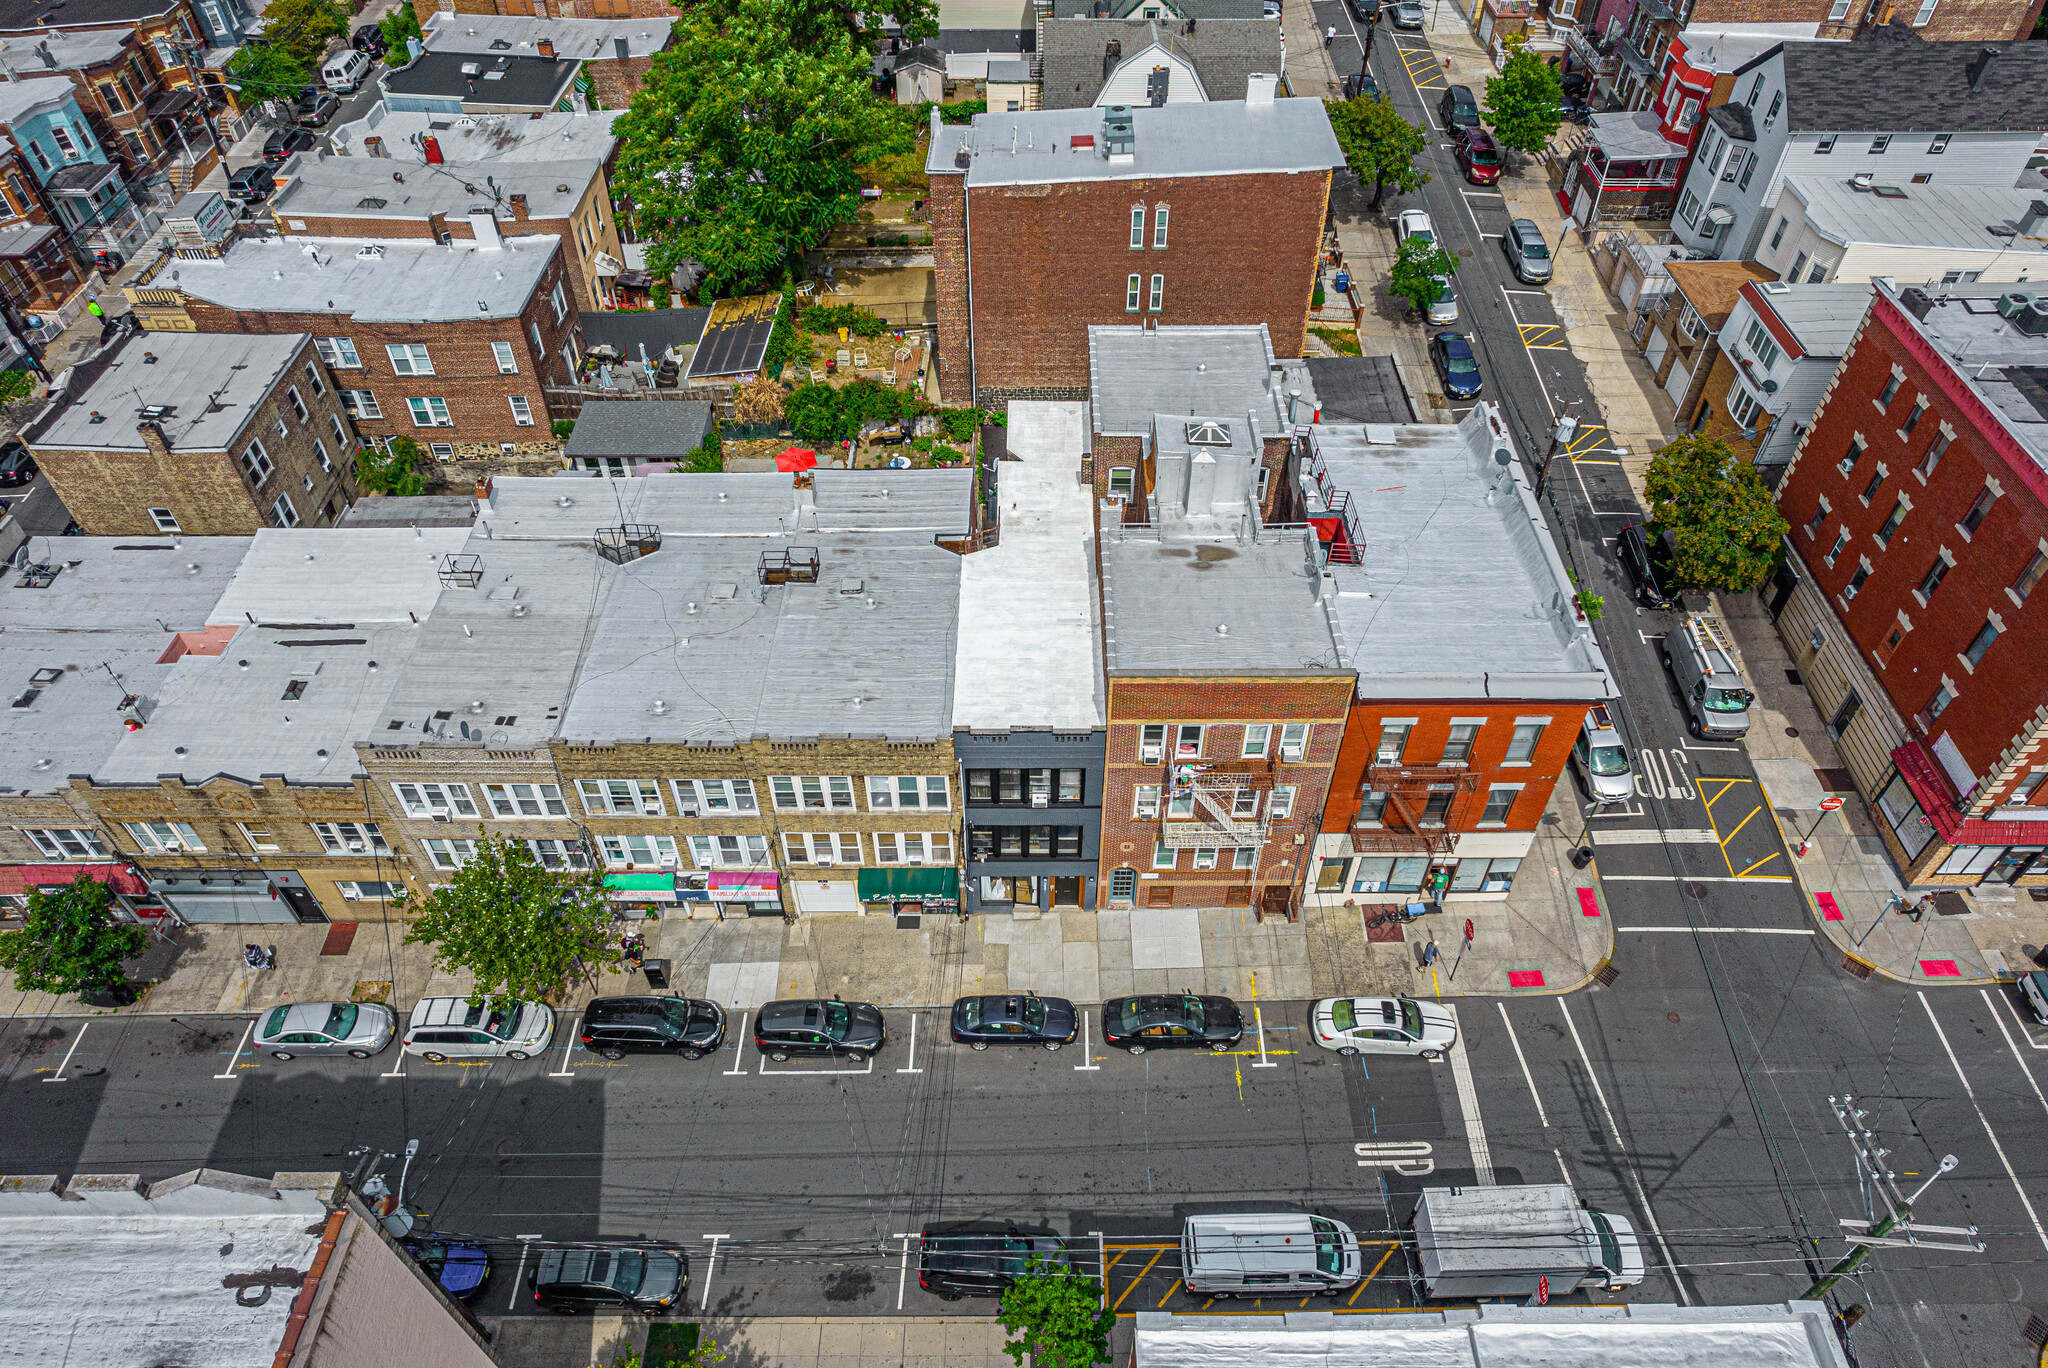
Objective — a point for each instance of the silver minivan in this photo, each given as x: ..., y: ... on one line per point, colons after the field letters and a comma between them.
x: 449, y: 1028
x: 1268, y: 1254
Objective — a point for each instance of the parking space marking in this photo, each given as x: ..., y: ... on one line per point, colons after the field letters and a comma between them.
x: 1087, y: 1064
x: 912, y: 1066
x: 1156, y: 1257
x: 710, y: 1265
x: 569, y: 1043
x: 1746, y: 870
x: 739, y: 1050
x: 2026, y: 1032
x: 903, y: 1270
x: 1259, y: 1017
x: 2016, y: 1057
x: 525, y: 1244
x: 1727, y: 930
x: 229, y: 1072
x: 1468, y: 1103
x: 1392, y: 1246
x: 786, y: 1073
x: 1982, y: 1120
x: 1523, y: 1060
x: 58, y: 1077
x: 1696, y: 878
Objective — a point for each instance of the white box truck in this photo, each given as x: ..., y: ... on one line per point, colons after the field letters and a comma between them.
x: 1500, y: 1241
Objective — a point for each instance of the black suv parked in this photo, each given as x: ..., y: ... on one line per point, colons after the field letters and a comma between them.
x: 612, y: 1026
x: 1650, y: 565
x: 981, y: 1262
x: 1458, y: 109
x: 813, y: 1026
x: 566, y: 1281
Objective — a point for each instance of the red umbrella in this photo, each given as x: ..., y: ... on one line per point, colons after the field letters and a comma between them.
x: 795, y: 459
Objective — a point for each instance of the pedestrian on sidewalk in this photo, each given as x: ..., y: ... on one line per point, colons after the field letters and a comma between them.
x: 93, y: 307
x: 1330, y: 37
x: 1430, y: 955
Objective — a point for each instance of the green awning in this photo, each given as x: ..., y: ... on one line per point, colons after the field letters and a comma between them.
x: 641, y: 883
x: 881, y: 885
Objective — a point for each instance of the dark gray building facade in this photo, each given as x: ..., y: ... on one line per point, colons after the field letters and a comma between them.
x: 1033, y: 818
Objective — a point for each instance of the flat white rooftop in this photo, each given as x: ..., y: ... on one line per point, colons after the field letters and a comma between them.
x: 475, y: 138
x: 382, y: 282
x: 520, y: 35
x: 209, y: 383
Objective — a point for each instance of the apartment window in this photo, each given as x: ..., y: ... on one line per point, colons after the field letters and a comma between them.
x: 1879, y: 143
x: 313, y: 379
x: 1825, y: 145
x: 1137, y: 226
x: 621, y: 797
x: 340, y: 431
x: 1777, y: 103
x: 1935, y: 450
x: 1980, y: 643
x: 1258, y: 741
x: 1121, y: 481
x: 1187, y: 741
x: 1817, y: 274
x: 450, y: 854
x: 1689, y: 208
x: 1162, y: 855
x: 111, y: 94
x: 1938, y: 704
x: 1393, y: 742
x: 1798, y: 265
x: 1891, y: 522
x: 936, y: 847
x: 1159, y: 228
x: 1734, y: 164
x: 1756, y: 88
x: 1939, y: 145
x: 2037, y: 566
x: 363, y: 890
x: 1500, y: 800
x: 559, y: 302
x: 1181, y: 803
x: 434, y: 800
x: 164, y: 519
x: 1372, y: 808
x: 1132, y: 285
x: 256, y: 462
x: 1293, y: 741
x: 1147, y: 805
x: 441, y: 451
x: 429, y: 411
x: 1436, y: 810
x: 655, y: 851
x: 914, y: 791
x: 533, y: 330
x: 282, y: 513
x: 1913, y: 418
x: 554, y: 854
x: 161, y: 837
x: 339, y: 352
x: 1926, y: 13
x: 361, y: 404
x: 1158, y: 297
x: 1891, y: 389
x: 1870, y: 490
x: 713, y: 795
x: 62, y: 136
x: 522, y: 412
x: 1761, y: 344
x: 1855, y: 584
x: 729, y: 852
x: 298, y: 404
x: 1244, y: 804
x: 525, y: 800
x: 1280, y: 806
x: 35, y: 149
x: 349, y: 838
x: 1522, y: 744
x: 69, y: 843
x: 508, y: 364
x: 1458, y: 748
x: 1841, y: 544
x: 1071, y: 783
x: 1974, y: 519
x: 796, y: 792
x: 409, y: 358
x: 326, y: 462
x: 1205, y: 857
x: 821, y: 847
x: 1743, y: 406
x: 1152, y: 743
x: 1931, y: 581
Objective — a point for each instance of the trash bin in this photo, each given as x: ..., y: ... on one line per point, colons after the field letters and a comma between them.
x: 657, y: 973
x: 1343, y: 282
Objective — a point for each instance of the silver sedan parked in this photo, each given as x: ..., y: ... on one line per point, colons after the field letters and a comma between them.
x: 323, y: 1028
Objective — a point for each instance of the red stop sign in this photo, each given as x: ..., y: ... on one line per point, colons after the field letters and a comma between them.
x: 1468, y: 928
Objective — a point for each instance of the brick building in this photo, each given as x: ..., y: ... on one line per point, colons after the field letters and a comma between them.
x: 452, y: 346
x: 1046, y: 223
x: 1682, y: 338
x: 138, y: 93
x: 199, y: 433
x: 543, y: 9
x: 616, y: 53
x: 1910, y: 598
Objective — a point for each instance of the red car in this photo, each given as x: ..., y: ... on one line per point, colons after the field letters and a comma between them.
x: 1478, y: 158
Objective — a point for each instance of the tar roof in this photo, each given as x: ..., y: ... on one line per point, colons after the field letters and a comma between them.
x: 117, y: 603
x: 1889, y: 79
x: 655, y: 329
x: 1216, y: 138
x: 1029, y: 600
x: 1359, y: 389
x: 203, y: 389
x: 1225, y: 53
x: 1823, y: 318
x: 1212, y: 605
x: 382, y: 282
x: 1711, y: 287
x: 37, y: 15
x: 364, y: 188
x: 584, y: 39
x: 2007, y: 368
x: 504, y: 79
x: 1954, y: 216
x: 467, y: 138
x: 1633, y: 136
x: 1135, y: 373
x: 651, y: 429
x: 1453, y: 534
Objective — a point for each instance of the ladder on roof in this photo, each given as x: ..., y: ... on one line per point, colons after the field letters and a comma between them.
x: 1710, y: 635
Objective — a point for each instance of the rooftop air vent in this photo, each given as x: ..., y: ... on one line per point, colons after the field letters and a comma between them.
x: 370, y: 249
x: 1861, y: 180
x: 1208, y: 434
x: 472, y: 68
x: 2033, y: 320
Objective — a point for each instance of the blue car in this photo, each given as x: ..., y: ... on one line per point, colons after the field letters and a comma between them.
x: 1456, y: 365
x: 460, y: 1269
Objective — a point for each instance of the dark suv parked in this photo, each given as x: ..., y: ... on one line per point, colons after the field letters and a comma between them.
x: 1458, y: 109
x: 566, y: 1281
x: 613, y: 1026
x: 981, y: 1262
x: 814, y: 1026
x: 1650, y: 565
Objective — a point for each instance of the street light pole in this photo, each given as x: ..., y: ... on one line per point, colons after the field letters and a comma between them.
x: 1896, y: 1227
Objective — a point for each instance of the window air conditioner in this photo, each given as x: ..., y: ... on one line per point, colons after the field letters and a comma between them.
x: 1148, y: 812
x: 355, y: 847
x: 668, y: 862
x: 915, y: 859
x: 442, y: 817
x: 1040, y: 799
x: 1149, y: 755
x: 689, y: 812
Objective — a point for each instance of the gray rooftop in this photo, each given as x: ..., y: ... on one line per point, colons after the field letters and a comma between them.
x: 1213, y: 604
x: 1360, y: 389
x: 505, y: 79
x: 1890, y: 80
x: 1933, y: 215
x: 210, y: 382
x: 650, y: 429
x: 64, y: 50
x: 473, y: 138
x: 1823, y: 317
x: 2007, y: 369
x: 1632, y: 136
x: 116, y: 602
x: 19, y: 99
x: 414, y: 510
x: 520, y: 35
x: 1204, y: 10
x: 363, y: 188
x: 1217, y: 138
x: 393, y: 281
x: 1452, y: 535
x: 1135, y: 373
x: 1224, y: 53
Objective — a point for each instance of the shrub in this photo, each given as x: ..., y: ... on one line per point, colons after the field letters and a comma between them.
x: 708, y: 458
x: 819, y: 318
x: 391, y: 474
x: 562, y: 427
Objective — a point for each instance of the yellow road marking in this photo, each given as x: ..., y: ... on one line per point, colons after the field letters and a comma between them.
x: 1135, y: 1281
x: 1740, y: 825
x: 1580, y: 460
x: 1112, y: 1263
x: 1172, y: 1288
x: 1725, y: 784
x: 1585, y: 435
x: 1764, y: 861
x: 1127, y: 1247
x: 1528, y: 328
x: 1209, y: 1303
x: 1375, y: 1272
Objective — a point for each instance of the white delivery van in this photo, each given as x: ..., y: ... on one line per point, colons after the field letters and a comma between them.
x: 344, y: 71
x: 1268, y: 1255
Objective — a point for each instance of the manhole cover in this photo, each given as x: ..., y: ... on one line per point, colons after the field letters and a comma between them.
x: 1464, y: 251
x: 1695, y: 890
x: 1791, y: 731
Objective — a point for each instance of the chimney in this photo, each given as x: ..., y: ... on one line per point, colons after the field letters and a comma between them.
x: 1112, y: 55
x: 153, y: 438
x: 373, y: 146
x: 1260, y: 87
x: 2037, y: 210
x: 485, y: 226
x: 1977, y: 68
x: 621, y: 49
x: 437, y: 227
x: 546, y: 48
x: 519, y: 209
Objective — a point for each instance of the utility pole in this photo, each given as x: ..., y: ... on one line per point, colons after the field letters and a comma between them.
x: 1895, y: 1229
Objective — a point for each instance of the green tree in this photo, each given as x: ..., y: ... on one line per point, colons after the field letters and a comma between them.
x: 743, y: 147
x: 1420, y: 270
x: 396, y: 27
x: 1380, y: 147
x: 301, y: 28
x: 1056, y: 1317
x: 520, y: 929
x: 705, y: 1353
x: 708, y: 458
x: 70, y: 942
x: 1522, y: 103
x: 259, y: 71
x: 1727, y: 530
x: 391, y: 474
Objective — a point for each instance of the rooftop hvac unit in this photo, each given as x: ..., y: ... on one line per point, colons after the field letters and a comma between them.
x: 2033, y: 320
x: 2013, y: 303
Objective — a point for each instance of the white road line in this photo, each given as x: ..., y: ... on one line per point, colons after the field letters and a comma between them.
x: 1642, y: 1196
x: 1542, y: 385
x: 912, y: 1067
x: 1259, y: 1017
x: 1468, y: 1103
x: 2025, y: 1033
x: 710, y: 1265
x: 1521, y: 1059
x: 1696, y: 878
x: 1086, y: 1065
x: 58, y: 1077
x: 1727, y: 930
x: 2017, y: 1057
x: 568, y: 1044
x: 1670, y: 836
x: 1540, y: 294
x: 1690, y: 746
x: 525, y: 1243
x: 902, y: 1271
x: 739, y: 1048
x: 398, y: 1069
x: 1971, y: 1093
x: 1566, y: 1171
x: 247, y: 1031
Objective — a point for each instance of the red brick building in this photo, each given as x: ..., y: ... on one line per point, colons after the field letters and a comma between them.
x: 1046, y: 222
x: 1911, y: 597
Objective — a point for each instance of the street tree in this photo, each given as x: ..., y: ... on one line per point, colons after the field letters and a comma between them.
x: 1056, y: 1317
x: 1380, y: 147
x: 397, y: 26
x: 741, y: 150
x: 1723, y: 523
x: 70, y: 942
x: 1421, y: 269
x: 260, y: 71
x: 522, y: 930
x: 1522, y: 102
x: 302, y: 28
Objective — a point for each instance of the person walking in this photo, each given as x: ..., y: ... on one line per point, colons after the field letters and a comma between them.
x: 93, y: 307
x: 1330, y: 37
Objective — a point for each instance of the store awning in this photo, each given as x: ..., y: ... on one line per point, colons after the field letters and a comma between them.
x: 640, y: 887
x: 22, y: 878
x: 882, y: 885
x: 736, y: 887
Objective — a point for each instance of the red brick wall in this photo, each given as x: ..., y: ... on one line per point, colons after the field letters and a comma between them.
x: 949, y: 271
x: 1953, y: 20
x: 1488, y: 761
x: 2000, y: 697
x: 1225, y: 704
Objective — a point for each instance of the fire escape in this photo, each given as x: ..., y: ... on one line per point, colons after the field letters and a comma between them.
x: 1216, y: 811
x: 1423, y: 803
x: 1331, y: 513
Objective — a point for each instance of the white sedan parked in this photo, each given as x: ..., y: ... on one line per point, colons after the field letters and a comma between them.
x: 1386, y: 1025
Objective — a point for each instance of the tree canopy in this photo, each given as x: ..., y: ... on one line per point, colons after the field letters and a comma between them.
x: 520, y: 929
x: 1056, y: 1317
x: 397, y: 26
x: 1420, y: 270
x: 1727, y: 530
x: 1380, y: 147
x: 70, y: 942
x: 391, y: 474
x: 264, y: 72
x: 301, y: 28
x: 1522, y: 102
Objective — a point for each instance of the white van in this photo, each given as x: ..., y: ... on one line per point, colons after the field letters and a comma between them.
x: 1268, y: 1255
x: 343, y: 72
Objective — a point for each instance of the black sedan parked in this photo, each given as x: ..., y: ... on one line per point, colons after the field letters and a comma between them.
x: 1455, y: 365
x: 670, y: 1025
x: 287, y: 141
x: 1650, y: 564
x: 1159, y: 1021
x: 566, y: 1281
x: 815, y: 1026
x: 17, y: 467
x: 981, y: 1262
x: 1013, y: 1020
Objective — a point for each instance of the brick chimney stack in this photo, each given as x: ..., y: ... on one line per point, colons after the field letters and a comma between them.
x: 519, y: 210
x: 546, y: 48
x: 153, y: 437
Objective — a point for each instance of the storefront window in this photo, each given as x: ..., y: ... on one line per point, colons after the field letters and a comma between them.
x: 1387, y: 874
x: 1330, y: 878
x: 1500, y: 875
x: 1903, y: 812
x: 1467, y: 876
x: 1969, y: 860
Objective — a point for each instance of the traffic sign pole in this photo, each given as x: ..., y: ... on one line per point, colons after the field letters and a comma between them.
x: 1461, y: 950
x: 1827, y: 804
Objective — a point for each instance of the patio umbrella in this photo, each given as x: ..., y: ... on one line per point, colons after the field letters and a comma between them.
x: 795, y: 459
